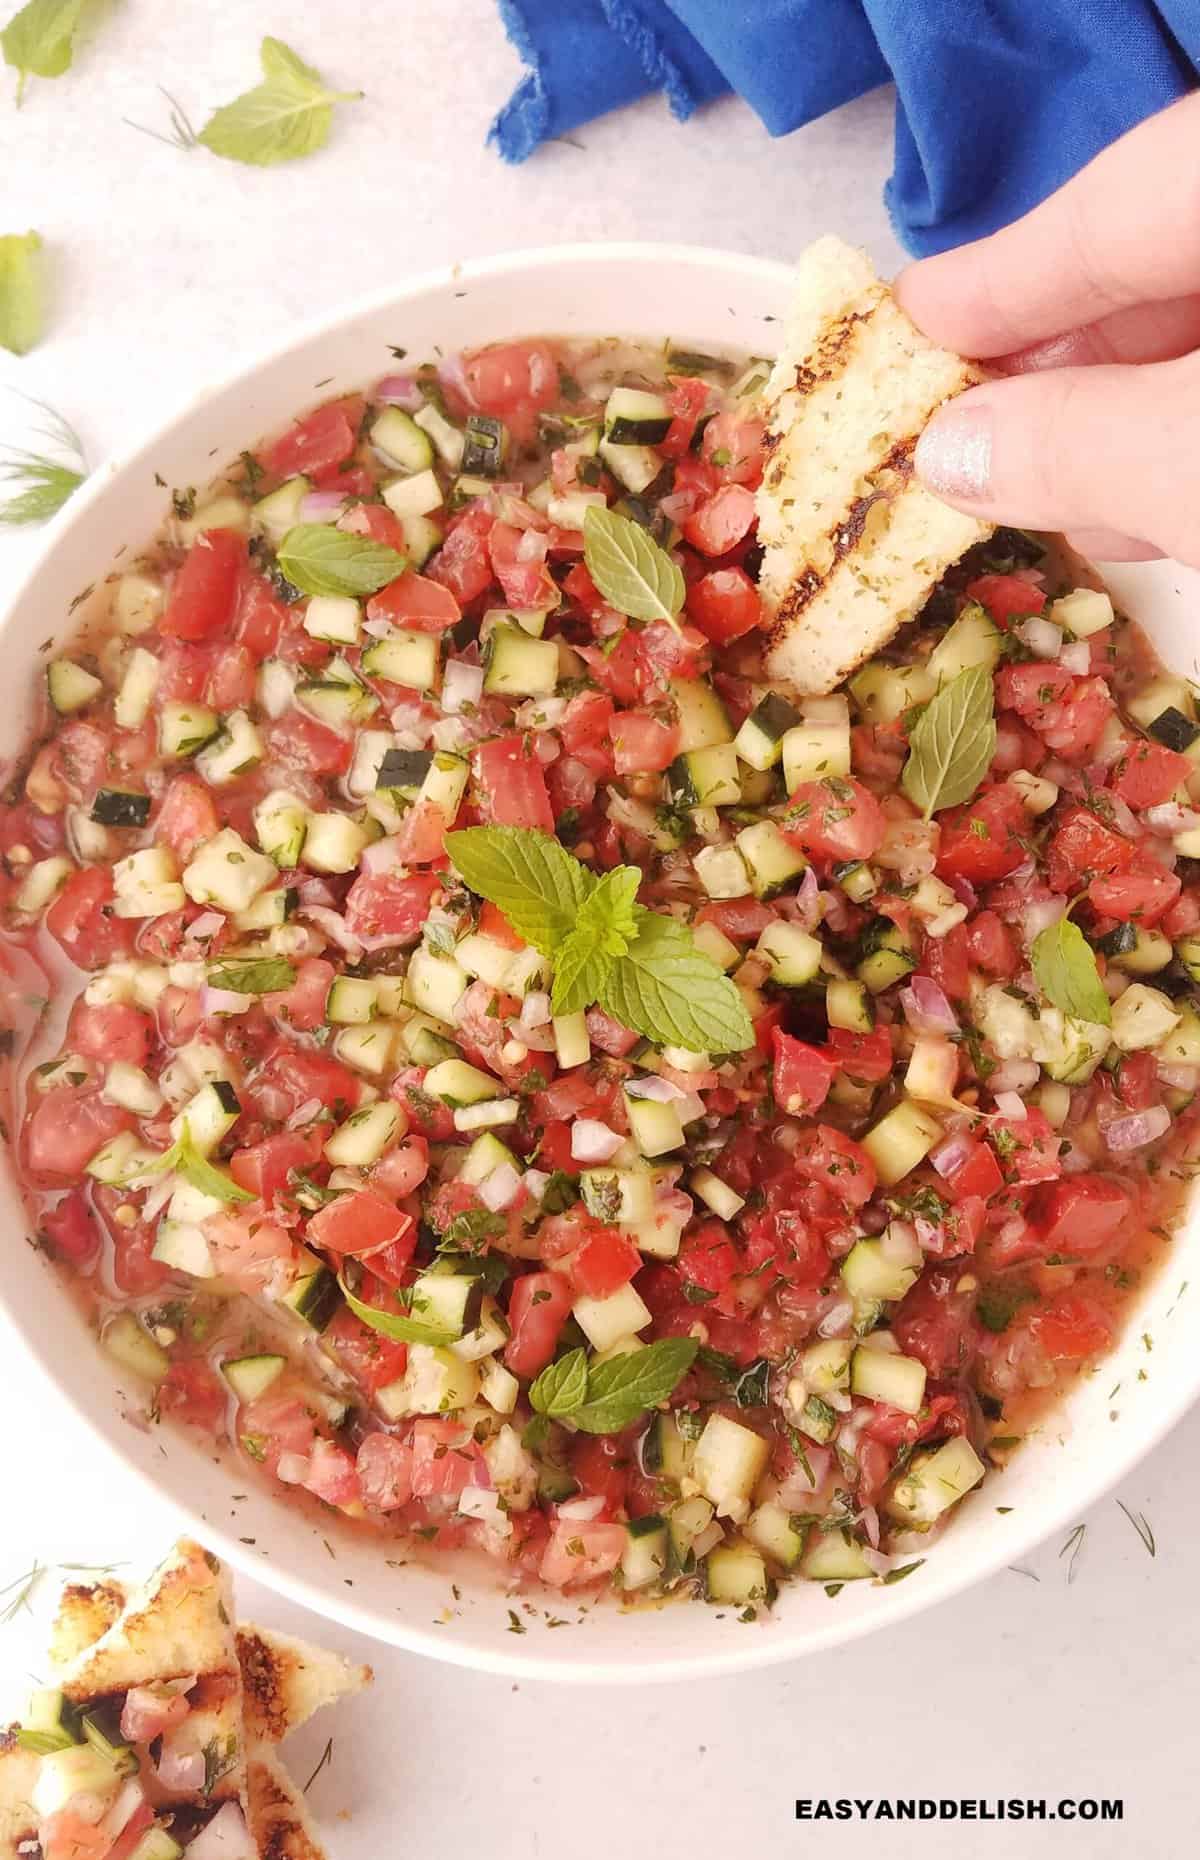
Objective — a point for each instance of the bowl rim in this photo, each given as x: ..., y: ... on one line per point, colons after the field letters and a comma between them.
x: 776, y: 1644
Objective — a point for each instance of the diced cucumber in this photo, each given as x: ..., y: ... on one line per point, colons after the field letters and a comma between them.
x: 313, y: 1295
x: 121, y: 1160
x: 220, y: 513
x: 899, y: 1141
x: 815, y: 751
x: 422, y: 535
x: 157, y: 1844
x: 736, y: 1575
x: 655, y: 1125
x: 605, y: 1321
x: 1038, y: 794
x: 228, y: 873
x: 449, y: 441
x: 457, y: 1083
x: 714, y: 944
x: 772, y: 861
x: 817, y: 1419
x: 210, y: 1115
x: 519, y: 666
x: 134, y: 1348
x: 1143, y: 1017
x: 130, y: 1087
x: 666, y: 1453
x: 692, y: 1531
x: 364, y: 1136
x: 498, y: 1387
x: 435, y: 1382
x: 645, y: 1556
x: 724, y: 1201
x: 138, y: 602
x: 1182, y: 1045
x: 869, y: 1273
x: 794, y: 955
x: 398, y: 439
x: 64, y: 1775
x: 722, y: 871
x: 859, y: 881
x: 435, y: 984
x: 491, y: 1332
x: 70, y: 686
x: 572, y: 1042
x: 333, y: 617
x: 973, y: 639
x: 404, y: 658
x: 42, y: 882
x: 1083, y: 612
x: 570, y: 512
x: 935, y: 906
x: 824, y: 1367
x: 485, y: 958
x: 891, y: 957
x: 279, y: 511
x: 727, y: 1464
x: 777, y: 1533
x: 830, y: 1557
x: 333, y: 843
x: 184, y: 1247
x: 337, y: 701
x: 848, y: 1005
x: 702, y: 718
x: 636, y: 467
x: 368, y: 1049
x: 485, y: 1154
x: 352, y: 1000
x: 281, y: 822
x: 446, y: 783
x: 146, y: 884
x: 633, y: 417
x: 880, y: 1375
x: 138, y: 685
x: 50, y: 1723
x: 485, y: 445
x: 1148, y: 953
x: 441, y: 1299
x: 238, y: 748
x: 183, y: 729
x: 760, y: 739
x: 935, y: 1481
x: 1161, y: 694
x: 884, y: 692
x: 706, y: 777
x: 622, y: 1197
x: 251, y: 1376
x: 413, y: 497
x: 487, y: 1115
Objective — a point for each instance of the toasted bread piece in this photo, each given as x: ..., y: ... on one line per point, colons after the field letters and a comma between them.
x: 286, y: 1680
x: 86, y: 1610
x: 180, y: 1624
x: 279, y: 1818
x: 853, y: 543
x: 18, y: 1773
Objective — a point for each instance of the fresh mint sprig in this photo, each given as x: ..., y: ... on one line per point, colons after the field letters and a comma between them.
x: 602, y: 1398
x: 286, y: 116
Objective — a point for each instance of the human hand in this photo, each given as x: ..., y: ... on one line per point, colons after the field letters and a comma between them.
x: 1092, y: 304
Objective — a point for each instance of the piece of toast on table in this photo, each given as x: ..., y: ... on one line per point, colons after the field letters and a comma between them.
x: 853, y: 543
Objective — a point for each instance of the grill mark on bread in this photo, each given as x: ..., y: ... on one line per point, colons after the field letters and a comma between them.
x: 850, y: 531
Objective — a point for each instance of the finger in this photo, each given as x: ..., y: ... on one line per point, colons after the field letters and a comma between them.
x: 1112, y: 546
x: 1123, y: 231
x: 1145, y: 333
x: 1075, y: 449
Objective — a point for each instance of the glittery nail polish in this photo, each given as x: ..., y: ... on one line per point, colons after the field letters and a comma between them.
x: 954, y: 453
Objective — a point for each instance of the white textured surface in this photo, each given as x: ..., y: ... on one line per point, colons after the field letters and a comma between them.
x: 168, y: 268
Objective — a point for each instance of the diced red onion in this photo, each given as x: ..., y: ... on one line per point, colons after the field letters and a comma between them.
x: 929, y: 1235
x: 1170, y: 817
x: 226, y: 1836
x: 592, y: 1141
x: 292, y: 1468
x: 450, y: 735
x: 540, y: 713
x: 399, y: 391
x: 1010, y: 1104
x: 1074, y: 1160
x: 926, y: 1008
x: 1039, y: 914
x: 500, y: 1188
x: 674, y: 1206
x: 304, y: 1114
x: 1180, y: 1078
x: 582, y: 1510
x: 1043, y: 638
x: 373, y: 945
x: 181, y: 1771
x: 381, y: 856
x: 321, y: 506
x: 949, y: 1157
x: 223, y: 1001
x: 533, y: 546
x: 335, y: 927
x: 205, y: 926
x: 1015, y: 1075
x: 483, y: 1504
x: 158, y: 1197
x: 1135, y: 1131
x: 869, y: 1519
x: 1063, y: 776
x: 691, y: 1107
x: 806, y: 903
x: 535, y: 1181
x: 837, y: 1320
x: 1123, y: 817
x: 1011, y: 1231
x: 797, y: 1488
x: 964, y: 891
x: 661, y: 1091
x: 898, y: 1243
x: 1076, y: 658
x: 538, y: 1039
x: 124, y: 1808
x: 677, y: 505
x: 877, y: 1561
x: 535, y: 1009
x: 378, y: 629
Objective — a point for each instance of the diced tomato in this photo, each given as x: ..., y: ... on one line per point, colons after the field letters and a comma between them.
x: 150, y: 1712
x: 417, y: 603
x: 1083, y: 1213
x: 539, y: 1306
x: 724, y: 605
x: 742, y: 920
x: 838, y: 1163
x: 64, y: 1835
x: 445, y: 1458
x: 1137, y: 1080
x: 609, y: 1035
x: 391, y: 905
x: 265, y: 1169
x: 71, y: 1230
x: 835, y: 819
x: 1068, y: 713
x: 643, y: 743
x: 246, y: 1249
x: 688, y: 399
x: 585, y: 731
x: 183, y: 672
x: 946, y: 960
x: 514, y: 381
x: 521, y: 569
x: 1006, y: 597
x: 188, y: 816
x: 801, y: 1076
x: 432, y: 1118
x: 358, y: 1222
x: 978, y: 1174
x: 291, y: 1077
x: 1072, y: 1328
x: 708, y: 1258
x: 67, y: 1127
x: 935, y: 1320
x: 733, y: 446
x: 991, y: 945
x: 231, y: 682
x: 512, y: 784
x: 302, y: 1005
x: 375, y: 521
x: 113, y: 1031
x: 206, y: 588
x: 864, y: 1057
x: 719, y: 524
x: 577, y: 1553
x: 318, y: 443
x: 1028, y: 1147
x: 278, y: 1422
x: 191, y: 1392
x: 422, y: 836
x: 310, y: 745
x: 1083, y: 848
x: 984, y: 841
x: 373, y: 1360
x: 331, y: 1475
x: 1142, y: 894
x: 385, y: 1472
x: 494, y: 924
x: 463, y: 564
x: 1148, y: 774
x: 262, y: 618
x: 81, y: 919
x: 604, y: 1263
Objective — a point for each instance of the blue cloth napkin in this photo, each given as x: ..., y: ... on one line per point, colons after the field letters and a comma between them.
x: 998, y: 101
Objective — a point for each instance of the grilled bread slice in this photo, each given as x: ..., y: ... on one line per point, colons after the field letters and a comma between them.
x: 279, y: 1819
x: 853, y: 543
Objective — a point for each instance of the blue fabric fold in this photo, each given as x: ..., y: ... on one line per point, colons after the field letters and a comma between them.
x: 997, y: 101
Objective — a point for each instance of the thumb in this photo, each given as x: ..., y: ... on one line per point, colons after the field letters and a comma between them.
x: 1092, y: 449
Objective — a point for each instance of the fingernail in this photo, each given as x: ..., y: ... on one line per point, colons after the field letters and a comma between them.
x: 954, y: 453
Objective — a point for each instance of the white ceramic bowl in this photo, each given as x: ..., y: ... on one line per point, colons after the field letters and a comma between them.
x: 698, y: 298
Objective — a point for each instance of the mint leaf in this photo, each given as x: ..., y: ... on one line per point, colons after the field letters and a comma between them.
x: 38, y: 41
x: 319, y: 559
x: 632, y: 573
x: 21, y: 314
x: 624, y: 1387
x: 952, y: 743
x: 666, y: 989
x: 604, y: 928
x: 562, y: 1386
x: 526, y: 874
x: 391, y: 1324
x: 183, y: 1158
x: 580, y: 972
x: 252, y: 975
x: 286, y: 116
x: 1065, y: 966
